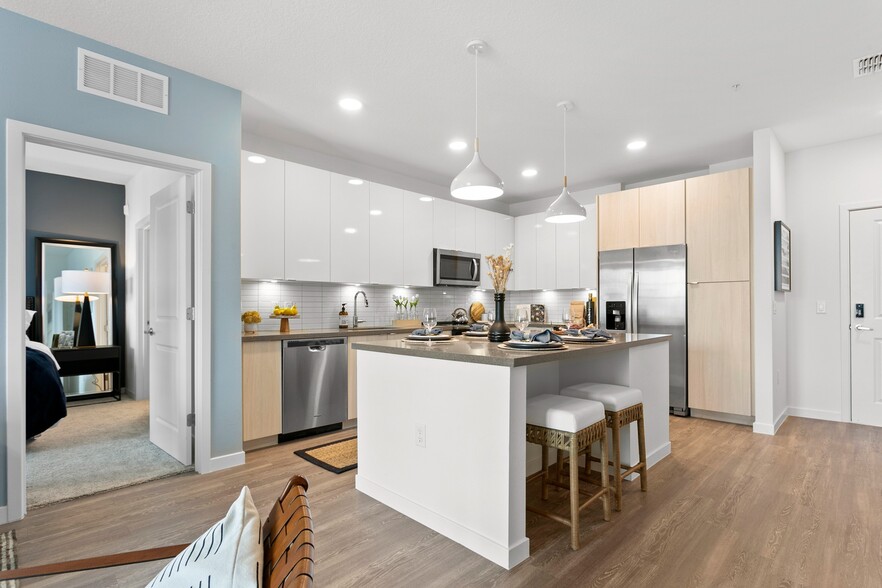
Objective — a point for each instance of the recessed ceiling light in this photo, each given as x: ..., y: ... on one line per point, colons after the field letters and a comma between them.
x: 256, y: 159
x: 458, y: 145
x: 636, y: 145
x: 426, y: 198
x: 356, y: 182
x: 538, y: 226
x: 529, y: 172
x: 308, y: 260
x: 351, y: 104
x: 376, y: 212
x: 350, y: 230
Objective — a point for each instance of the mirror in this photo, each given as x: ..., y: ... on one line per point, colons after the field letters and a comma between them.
x: 57, y: 307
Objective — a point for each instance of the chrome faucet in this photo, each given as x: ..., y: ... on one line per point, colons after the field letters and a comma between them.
x: 355, y: 320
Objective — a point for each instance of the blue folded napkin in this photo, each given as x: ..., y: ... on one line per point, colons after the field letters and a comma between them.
x: 423, y: 333
x: 478, y: 327
x: 589, y: 333
x: 544, y: 336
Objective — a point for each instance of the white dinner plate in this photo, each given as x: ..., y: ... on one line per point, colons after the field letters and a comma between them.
x: 441, y: 337
x: 532, y: 345
x: 476, y: 333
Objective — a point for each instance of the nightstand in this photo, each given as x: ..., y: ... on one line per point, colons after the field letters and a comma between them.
x: 84, y: 361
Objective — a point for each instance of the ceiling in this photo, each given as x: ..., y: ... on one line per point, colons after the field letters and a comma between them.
x: 660, y: 71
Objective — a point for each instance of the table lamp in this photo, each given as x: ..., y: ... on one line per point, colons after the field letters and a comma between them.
x: 85, y: 282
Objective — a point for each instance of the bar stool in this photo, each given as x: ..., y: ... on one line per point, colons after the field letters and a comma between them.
x: 623, y: 406
x: 572, y: 425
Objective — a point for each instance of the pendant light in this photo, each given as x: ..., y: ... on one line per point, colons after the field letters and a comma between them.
x: 476, y: 181
x: 565, y: 209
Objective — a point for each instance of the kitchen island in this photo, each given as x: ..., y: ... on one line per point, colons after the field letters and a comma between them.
x: 441, y: 427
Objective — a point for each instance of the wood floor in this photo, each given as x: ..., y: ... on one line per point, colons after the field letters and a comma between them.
x: 727, y: 508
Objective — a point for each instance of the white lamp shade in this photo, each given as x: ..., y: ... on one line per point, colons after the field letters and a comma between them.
x: 565, y: 209
x: 476, y: 182
x: 59, y: 294
x: 82, y: 281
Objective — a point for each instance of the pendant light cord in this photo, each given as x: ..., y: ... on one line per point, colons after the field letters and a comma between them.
x: 565, y: 145
x: 477, y: 50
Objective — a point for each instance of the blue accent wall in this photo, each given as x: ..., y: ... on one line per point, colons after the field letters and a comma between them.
x: 38, y: 64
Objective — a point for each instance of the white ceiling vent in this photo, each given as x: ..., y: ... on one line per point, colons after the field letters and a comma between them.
x: 864, y: 66
x: 122, y: 82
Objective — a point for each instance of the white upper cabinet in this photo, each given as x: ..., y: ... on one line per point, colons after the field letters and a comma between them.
x: 546, y: 267
x: 505, y: 233
x: 307, y: 220
x: 465, y: 227
x: 263, y: 219
x: 588, y: 249
x: 485, y: 241
x: 350, y: 230
x: 567, y: 254
x: 524, y: 262
x: 387, y: 234
x: 444, y: 234
x: 417, y: 245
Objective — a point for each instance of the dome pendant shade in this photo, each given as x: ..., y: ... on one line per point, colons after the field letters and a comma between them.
x: 476, y: 182
x: 565, y: 209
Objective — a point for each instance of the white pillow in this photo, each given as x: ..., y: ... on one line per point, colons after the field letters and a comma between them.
x: 228, y: 555
x: 29, y: 316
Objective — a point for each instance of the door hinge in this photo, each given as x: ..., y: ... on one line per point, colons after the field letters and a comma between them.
x: 191, y: 207
x: 191, y: 313
x: 191, y: 419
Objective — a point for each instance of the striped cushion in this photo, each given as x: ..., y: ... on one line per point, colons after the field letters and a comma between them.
x: 228, y: 554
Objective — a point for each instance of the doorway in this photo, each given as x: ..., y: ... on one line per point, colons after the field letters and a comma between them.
x: 198, y: 181
x: 865, y: 315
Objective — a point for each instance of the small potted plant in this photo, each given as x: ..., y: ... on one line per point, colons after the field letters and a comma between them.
x: 251, y: 318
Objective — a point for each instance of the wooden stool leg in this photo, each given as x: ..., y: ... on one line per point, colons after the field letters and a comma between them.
x: 544, y: 472
x: 604, y: 476
x: 641, y: 443
x: 574, y: 494
x: 560, y: 461
x: 617, y: 462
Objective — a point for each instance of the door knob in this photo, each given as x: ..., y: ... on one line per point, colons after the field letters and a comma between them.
x: 150, y: 331
x: 863, y: 328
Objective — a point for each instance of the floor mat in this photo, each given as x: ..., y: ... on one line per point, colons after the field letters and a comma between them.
x: 337, y: 457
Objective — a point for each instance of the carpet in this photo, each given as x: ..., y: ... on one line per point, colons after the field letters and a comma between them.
x: 8, y: 560
x: 96, y: 448
x: 337, y: 457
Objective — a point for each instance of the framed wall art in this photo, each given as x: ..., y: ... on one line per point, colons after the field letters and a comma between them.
x: 782, y: 257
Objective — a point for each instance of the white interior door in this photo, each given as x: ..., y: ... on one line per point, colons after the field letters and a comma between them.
x: 142, y: 361
x: 865, y: 253
x: 170, y: 331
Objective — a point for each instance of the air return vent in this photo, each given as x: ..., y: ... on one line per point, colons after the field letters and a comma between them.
x: 122, y: 82
x: 865, y: 66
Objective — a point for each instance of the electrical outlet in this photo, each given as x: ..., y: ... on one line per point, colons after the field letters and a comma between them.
x: 821, y: 307
x: 420, y: 435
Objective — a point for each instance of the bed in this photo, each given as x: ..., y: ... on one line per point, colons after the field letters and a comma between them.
x: 45, y: 403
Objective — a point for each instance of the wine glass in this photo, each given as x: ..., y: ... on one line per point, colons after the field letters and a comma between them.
x: 566, y: 319
x: 430, y: 319
x: 522, y: 318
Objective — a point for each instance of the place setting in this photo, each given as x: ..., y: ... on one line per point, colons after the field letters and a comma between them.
x: 429, y: 333
x: 586, y: 335
x: 525, y: 340
x: 478, y: 330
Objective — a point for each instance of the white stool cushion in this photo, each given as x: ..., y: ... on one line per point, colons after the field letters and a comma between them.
x: 614, y: 398
x: 563, y: 413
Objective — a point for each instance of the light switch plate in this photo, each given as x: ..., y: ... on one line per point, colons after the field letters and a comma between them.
x: 821, y: 307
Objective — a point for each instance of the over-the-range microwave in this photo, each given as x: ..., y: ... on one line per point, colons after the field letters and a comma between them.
x: 456, y: 268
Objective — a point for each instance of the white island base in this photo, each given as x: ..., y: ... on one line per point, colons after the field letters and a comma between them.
x: 443, y: 440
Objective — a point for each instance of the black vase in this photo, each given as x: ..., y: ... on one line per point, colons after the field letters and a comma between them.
x: 499, y: 331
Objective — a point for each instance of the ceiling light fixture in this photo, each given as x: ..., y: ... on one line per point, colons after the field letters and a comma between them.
x: 458, y: 145
x: 256, y: 159
x: 426, y: 198
x: 529, y: 173
x: 356, y: 182
x: 636, y: 145
x: 476, y: 181
x: 350, y: 104
x: 565, y: 209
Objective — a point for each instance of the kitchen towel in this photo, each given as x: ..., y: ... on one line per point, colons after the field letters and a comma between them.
x: 423, y: 333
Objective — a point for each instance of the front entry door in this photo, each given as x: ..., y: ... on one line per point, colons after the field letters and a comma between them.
x: 170, y: 330
x: 865, y: 252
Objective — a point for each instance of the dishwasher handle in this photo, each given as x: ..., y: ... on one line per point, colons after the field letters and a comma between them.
x: 310, y: 343
x: 317, y: 348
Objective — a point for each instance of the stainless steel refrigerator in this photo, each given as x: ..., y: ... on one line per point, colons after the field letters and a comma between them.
x: 643, y: 290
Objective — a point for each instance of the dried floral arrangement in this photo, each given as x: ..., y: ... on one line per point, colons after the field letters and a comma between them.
x: 500, y: 267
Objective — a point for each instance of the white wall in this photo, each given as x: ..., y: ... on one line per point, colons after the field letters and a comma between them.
x: 138, y: 191
x: 819, y: 179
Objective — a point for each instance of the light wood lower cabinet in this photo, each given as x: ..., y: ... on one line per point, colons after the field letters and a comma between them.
x: 353, y: 368
x: 719, y: 347
x: 261, y: 389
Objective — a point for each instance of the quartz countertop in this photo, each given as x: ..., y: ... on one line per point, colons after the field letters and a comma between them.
x: 321, y: 333
x: 479, y: 350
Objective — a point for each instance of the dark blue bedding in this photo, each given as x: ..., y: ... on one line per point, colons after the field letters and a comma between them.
x: 45, y: 404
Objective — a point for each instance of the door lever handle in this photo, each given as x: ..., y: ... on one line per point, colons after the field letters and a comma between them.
x: 862, y: 328
x: 150, y: 331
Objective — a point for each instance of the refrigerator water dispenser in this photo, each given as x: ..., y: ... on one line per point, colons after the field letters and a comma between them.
x: 615, y: 315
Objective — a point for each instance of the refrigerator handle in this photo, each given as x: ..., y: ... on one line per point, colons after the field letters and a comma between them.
x: 634, y: 303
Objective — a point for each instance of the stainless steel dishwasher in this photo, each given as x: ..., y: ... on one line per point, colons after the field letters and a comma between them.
x: 314, y: 384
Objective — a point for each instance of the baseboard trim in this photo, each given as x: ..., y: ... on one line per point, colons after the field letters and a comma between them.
x: 811, y: 413
x: 4, y: 515
x: 223, y: 462
x: 505, y: 556
x: 781, y: 418
x: 725, y: 417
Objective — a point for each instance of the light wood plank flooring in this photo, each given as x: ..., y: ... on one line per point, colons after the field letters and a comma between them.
x: 728, y: 508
